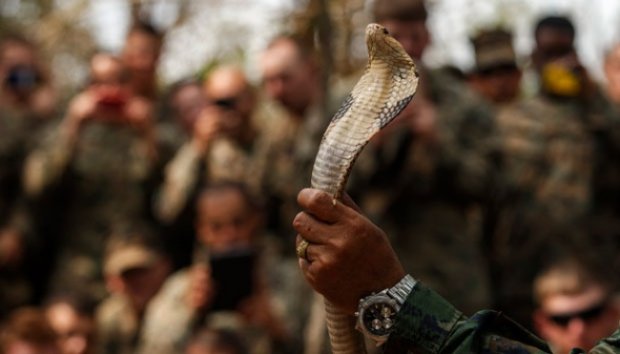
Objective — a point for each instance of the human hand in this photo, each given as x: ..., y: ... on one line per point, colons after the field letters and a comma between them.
x: 258, y: 311
x: 139, y: 113
x: 11, y: 248
x: 206, y: 128
x: 201, y: 290
x: 348, y: 257
x: 81, y: 108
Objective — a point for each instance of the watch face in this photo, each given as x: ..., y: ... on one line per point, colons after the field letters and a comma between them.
x: 378, y: 317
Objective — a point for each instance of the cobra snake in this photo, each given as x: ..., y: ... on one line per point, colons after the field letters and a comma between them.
x: 383, y: 91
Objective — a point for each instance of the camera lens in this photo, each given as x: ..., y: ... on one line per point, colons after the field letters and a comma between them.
x: 228, y: 103
x: 22, y: 78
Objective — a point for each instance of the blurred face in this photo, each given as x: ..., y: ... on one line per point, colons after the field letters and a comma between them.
x: 576, y: 321
x: 412, y: 35
x: 141, y: 53
x: 225, y: 221
x: 208, y: 349
x: 19, y: 74
x: 188, y: 102
x: 288, y: 78
x: 140, y: 285
x: 612, y: 73
x: 108, y: 82
x: 75, y: 332
x: 229, y: 89
x: 551, y: 44
x: 22, y: 347
x: 498, y: 85
x: 141, y: 56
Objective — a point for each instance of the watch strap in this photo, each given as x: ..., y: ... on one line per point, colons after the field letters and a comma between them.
x: 402, y: 289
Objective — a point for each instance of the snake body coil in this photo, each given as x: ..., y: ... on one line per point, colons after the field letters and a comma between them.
x: 387, y: 86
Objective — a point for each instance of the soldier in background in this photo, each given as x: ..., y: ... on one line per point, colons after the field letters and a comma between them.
x: 229, y: 284
x: 496, y: 76
x: 72, y: 317
x: 291, y: 76
x: 426, y: 174
x: 100, y: 156
x: 140, y: 56
x: 612, y: 74
x: 27, y: 104
x: 216, y: 341
x: 576, y: 306
x: 27, y: 331
x: 222, y: 124
x: 560, y: 149
x: 136, y: 267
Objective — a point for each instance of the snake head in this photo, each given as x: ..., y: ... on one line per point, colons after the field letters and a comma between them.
x: 382, y: 46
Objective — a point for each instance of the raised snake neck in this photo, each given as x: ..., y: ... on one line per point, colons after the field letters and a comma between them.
x: 385, y: 89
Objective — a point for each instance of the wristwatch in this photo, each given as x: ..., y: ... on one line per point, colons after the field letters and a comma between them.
x: 376, y: 313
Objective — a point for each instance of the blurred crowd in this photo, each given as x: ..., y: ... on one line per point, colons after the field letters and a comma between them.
x: 136, y: 218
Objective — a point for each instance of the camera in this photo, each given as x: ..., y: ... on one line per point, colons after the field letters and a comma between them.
x: 112, y: 99
x: 22, y: 78
x: 226, y: 103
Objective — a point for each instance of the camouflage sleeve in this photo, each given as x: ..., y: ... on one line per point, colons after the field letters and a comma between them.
x: 470, y: 148
x: 46, y: 164
x: 429, y: 324
x: 608, y: 345
x: 168, y: 320
x: 181, y: 176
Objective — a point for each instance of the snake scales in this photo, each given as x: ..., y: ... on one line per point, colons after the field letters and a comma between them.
x: 387, y: 86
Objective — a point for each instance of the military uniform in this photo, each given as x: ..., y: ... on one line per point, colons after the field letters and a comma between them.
x: 429, y: 324
x: 118, y: 326
x: 556, y: 154
x: 428, y: 196
x: 225, y: 160
x: 18, y: 133
x: 103, y: 180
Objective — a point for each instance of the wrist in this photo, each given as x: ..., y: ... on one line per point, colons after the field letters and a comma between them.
x: 377, y: 313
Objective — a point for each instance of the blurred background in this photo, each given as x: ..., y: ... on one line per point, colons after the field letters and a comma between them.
x: 199, y: 32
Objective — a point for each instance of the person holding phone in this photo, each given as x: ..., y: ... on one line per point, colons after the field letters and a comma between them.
x: 227, y: 285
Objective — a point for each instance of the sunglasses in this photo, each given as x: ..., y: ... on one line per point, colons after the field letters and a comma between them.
x: 585, y: 315
x: 226, y: 103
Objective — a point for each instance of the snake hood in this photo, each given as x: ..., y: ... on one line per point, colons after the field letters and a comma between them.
x: 385, y: 89
x: 382, y: 46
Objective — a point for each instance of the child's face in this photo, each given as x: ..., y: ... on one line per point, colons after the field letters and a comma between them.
x: 225, y: 220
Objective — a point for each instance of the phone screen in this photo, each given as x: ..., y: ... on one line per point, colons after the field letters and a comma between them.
x: 233, y: 274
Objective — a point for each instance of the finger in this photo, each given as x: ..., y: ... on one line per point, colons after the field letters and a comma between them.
x: 320, y: 204
x: 346, y: 200
x: 311, y: 229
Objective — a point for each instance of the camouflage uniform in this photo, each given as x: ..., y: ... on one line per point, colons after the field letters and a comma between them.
x: 224, y: 160
x: 555, y: 181
x: 103, y: 181
x: 18, y: 134
x: 429, y: 324
x: 118, y: 326
x: 428, y: 197
x: 188, y: 170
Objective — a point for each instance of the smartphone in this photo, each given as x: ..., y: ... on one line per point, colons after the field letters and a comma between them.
x: 233, y: 274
